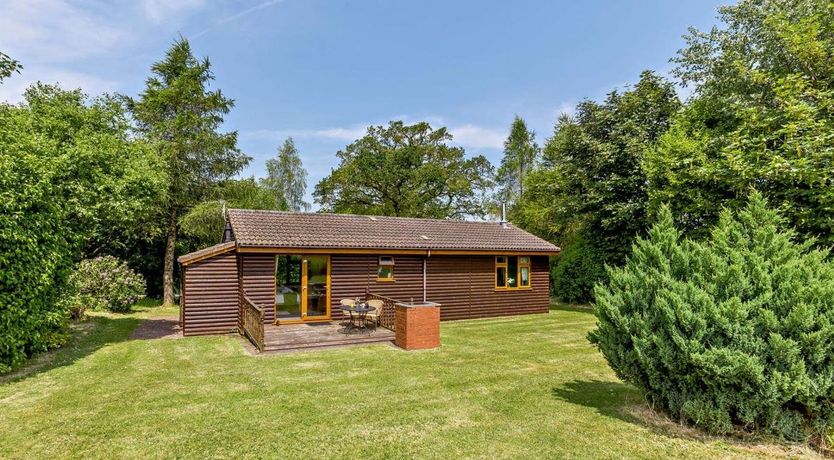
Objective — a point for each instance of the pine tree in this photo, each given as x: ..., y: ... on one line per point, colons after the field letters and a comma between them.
x: 181, y: 117
x: 520, y: 155
x: 287, y: 178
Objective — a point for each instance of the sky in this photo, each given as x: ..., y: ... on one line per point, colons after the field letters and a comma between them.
x: 321, y: 71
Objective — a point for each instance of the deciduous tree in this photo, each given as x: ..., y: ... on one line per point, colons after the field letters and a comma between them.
x: 204, y: 223
x: 590, y: 187
x: 8, y: 66
x: 762, y: 115
x: 72, y: 182
x: 287, y: 178
x: 409, y: 171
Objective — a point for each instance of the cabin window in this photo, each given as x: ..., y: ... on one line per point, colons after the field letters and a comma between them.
x: 512, y: 272
x: 385, y: 270
x: 524, y: 271
x: 501, y: 272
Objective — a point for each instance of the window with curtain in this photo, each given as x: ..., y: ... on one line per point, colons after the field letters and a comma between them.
x: 512, y: 272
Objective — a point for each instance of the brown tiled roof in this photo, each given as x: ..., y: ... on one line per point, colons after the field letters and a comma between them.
x: 350, y: 231
x: 206, y: 252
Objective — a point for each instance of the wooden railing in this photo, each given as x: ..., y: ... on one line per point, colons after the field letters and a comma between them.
x: 386, y: 320
x: 253, y: 321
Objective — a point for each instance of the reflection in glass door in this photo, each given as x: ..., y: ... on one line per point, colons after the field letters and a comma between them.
x: 317, y: 286
x: 302, y: 288
x: 288, y: 287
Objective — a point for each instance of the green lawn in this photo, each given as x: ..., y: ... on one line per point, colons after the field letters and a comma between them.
x: 520, y: 387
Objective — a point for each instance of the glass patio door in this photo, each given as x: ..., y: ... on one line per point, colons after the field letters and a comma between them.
x: 302, y: 288
x: 288, y: 288
x: 316, y: 279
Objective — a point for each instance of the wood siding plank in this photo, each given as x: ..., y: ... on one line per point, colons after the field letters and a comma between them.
x: 210, y: 305
x: 258, y: 280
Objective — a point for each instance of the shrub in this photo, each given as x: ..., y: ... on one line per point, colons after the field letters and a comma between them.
x: 735, y: 332
x: 105, y: 283
x: 575, y: 272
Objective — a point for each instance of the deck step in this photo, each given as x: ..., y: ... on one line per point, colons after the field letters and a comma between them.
x: 318, y: 335
x: 325, y: 344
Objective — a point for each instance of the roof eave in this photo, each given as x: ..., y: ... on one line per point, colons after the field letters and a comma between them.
x: 255, y: 248
x: 205, y: 253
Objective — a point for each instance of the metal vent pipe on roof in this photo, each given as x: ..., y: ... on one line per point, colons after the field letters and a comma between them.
x: 503, y: 221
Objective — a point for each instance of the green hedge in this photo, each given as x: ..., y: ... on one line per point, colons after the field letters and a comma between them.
x: 576, y: 270
x: 735, y: 332
x: 35, y: 249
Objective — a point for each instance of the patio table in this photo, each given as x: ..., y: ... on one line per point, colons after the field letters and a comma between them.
x: 357, y: 321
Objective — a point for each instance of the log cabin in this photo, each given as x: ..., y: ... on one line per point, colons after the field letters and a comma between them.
x: 289, y: 268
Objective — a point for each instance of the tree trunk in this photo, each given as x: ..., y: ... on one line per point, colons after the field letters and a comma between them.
x: 520, y: 182
x: 168, y: 266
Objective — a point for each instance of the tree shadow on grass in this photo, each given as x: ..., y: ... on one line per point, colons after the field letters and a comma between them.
x: 624, y: 402
x: 87, y: 337
x: 611, y: 399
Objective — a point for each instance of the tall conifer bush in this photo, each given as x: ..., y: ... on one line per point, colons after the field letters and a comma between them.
x: 734, y: 332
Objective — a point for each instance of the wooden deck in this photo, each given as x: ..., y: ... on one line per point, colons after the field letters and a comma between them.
x: 319, y: 335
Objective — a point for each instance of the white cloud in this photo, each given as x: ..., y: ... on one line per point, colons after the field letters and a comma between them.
x: 40, y: 31
x: 248, y: 11
x: 478, y: 137
x: 467, y: 135
x: 236, y: 16
x: 57, y: 40
x: 344, y: 134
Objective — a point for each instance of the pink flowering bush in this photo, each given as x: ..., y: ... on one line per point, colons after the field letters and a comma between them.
x: 104, y: 283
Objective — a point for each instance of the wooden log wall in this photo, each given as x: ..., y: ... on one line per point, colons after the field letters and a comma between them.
x: 463, y: 285
x: 258, y: 280
x: 210, y: 295
x: 352, y: 276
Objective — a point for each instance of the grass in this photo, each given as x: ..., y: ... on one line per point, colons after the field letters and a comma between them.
x: 519, y: 387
